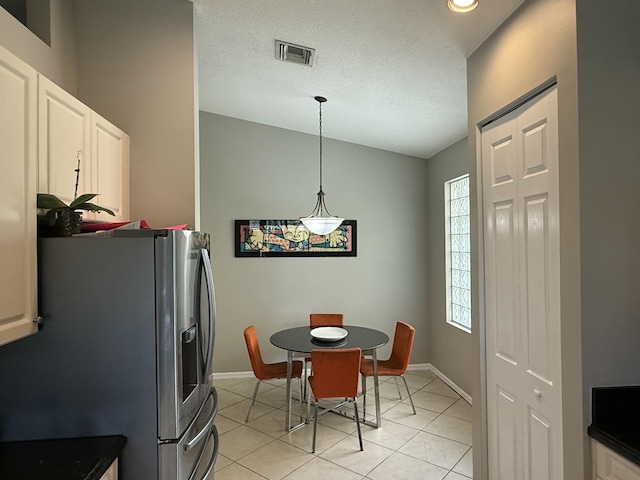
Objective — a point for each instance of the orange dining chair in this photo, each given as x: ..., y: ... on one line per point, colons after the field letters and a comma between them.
x: 326, y: 320
x: 335, y: 375
x: 268, y: 371
x: 321, y: 320
x: 395, y: 366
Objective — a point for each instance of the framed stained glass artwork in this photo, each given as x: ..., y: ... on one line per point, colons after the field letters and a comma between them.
x: 290, y: 238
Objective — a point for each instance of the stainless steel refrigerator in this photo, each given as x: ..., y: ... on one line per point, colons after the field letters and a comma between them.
x: 125, y: 348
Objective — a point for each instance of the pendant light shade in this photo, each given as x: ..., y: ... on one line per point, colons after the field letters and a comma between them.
x: 462, y: 6
x: 320, y: 221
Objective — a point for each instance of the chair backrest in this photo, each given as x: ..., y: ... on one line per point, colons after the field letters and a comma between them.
x: 336, y: 372
x: 326, y: 319
x: 257, y: 364
x: 402, y: 343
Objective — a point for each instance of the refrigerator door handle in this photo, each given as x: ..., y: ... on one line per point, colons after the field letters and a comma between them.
x: 214, y: 456
x: 196, y: 439
x: 209, y: 277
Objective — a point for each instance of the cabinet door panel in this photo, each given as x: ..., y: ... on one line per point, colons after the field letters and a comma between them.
x: 18, y: 296
x: 110, y: 158
x: 64, y: 136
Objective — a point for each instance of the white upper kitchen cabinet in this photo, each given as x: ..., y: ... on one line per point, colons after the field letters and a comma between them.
x: 70, y: 131
x: 18, y: 107
x: 110, y: 165
x: 64, y: 132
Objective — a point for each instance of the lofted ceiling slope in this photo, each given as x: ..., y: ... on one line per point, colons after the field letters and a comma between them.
x: 394, y: 71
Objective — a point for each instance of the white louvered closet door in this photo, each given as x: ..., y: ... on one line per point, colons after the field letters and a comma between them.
x: 522, y: 288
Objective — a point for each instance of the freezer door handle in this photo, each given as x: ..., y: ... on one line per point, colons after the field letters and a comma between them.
x: 196, y: 439
x: 211, y: 303
x: 214, y: 456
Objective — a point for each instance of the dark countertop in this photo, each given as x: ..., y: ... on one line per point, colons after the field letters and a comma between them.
x: 615, y: 420
x: 85, y: 458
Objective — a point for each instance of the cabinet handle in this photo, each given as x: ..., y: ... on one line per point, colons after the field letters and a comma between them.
x: 537, y: 392
x: 38, y: 320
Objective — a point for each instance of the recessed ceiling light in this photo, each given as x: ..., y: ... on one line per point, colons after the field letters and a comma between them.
x: 462, y: 6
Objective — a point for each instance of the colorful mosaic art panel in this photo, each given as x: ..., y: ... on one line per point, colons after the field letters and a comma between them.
x: 290, y: 238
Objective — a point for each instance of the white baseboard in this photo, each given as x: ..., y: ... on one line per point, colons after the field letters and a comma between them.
x: 223, y: 375
x: 415, y: 366
x: 445, y: 379
x: 419, y: 366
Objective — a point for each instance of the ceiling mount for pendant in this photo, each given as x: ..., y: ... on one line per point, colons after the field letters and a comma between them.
x: 320, y: 221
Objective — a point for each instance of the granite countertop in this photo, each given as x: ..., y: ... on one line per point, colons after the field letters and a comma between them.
x: 615, y: 420
x: 86, y: 458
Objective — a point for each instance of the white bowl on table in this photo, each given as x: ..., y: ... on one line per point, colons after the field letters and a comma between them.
x: 329, y: 334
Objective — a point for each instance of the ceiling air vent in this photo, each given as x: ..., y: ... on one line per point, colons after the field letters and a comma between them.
x: 290, y: 52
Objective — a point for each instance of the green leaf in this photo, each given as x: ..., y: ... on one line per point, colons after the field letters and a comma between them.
x: 53, y: 203
x: 48, y: 201
x: 80, y: 200
x: 93, y: 207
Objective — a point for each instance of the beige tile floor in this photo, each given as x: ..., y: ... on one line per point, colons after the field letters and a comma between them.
x: 435, y: 444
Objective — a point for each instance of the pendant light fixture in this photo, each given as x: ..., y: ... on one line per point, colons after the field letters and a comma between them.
x: 320, y: 221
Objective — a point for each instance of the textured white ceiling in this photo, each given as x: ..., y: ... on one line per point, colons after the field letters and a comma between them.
x: 394, y: 71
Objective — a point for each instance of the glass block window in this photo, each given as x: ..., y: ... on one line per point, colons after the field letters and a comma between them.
x: 458, y: 252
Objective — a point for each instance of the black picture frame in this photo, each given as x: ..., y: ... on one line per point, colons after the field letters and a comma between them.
x: 290, y: 238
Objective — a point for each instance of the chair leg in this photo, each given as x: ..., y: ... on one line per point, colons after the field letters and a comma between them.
x: 308, y: 388
x: 304, y: 372
x: 315, y: 424
x: 395, y: 379
x: 355, y: 408
x: 300, y: 397
x: 364, y: 397
x: 409, y: 394
x: 253, y: 400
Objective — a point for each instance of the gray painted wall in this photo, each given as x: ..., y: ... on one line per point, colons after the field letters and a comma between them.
x: 450, y: 349
x: 56, y: 62
x: 136, y: 68
x: 535, y: 44
x: 253, y: 171
x: 608, y: 76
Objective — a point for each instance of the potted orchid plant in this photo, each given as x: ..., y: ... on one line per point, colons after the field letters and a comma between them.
x: 62, y: 220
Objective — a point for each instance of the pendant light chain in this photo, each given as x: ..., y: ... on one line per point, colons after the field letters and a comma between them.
x: 320, y: 103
